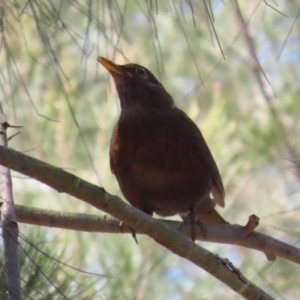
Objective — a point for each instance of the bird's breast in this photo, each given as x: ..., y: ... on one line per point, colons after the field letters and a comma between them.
x: 152, y: 152
x: 155, y: 157
x: 148, y: 143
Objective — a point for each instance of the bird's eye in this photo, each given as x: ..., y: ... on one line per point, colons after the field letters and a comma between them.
x: 141, y: 72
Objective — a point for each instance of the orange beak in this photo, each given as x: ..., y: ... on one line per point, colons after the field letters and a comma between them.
x: 111, y: 67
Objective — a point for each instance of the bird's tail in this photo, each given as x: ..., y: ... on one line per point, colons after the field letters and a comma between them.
x: 211, y: 216
x: 207, y: 213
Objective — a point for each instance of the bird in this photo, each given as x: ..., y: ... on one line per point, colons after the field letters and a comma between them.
x: 158, y: 154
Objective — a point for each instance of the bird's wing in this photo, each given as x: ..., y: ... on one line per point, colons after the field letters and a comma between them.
x: 217, y: 191
x: 113, y: 148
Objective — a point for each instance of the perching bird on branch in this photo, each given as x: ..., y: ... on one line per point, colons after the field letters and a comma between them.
x: 157, y: 153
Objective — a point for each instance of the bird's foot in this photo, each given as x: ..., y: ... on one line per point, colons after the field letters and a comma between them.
x: 133, y: 233
x: 192, y: 219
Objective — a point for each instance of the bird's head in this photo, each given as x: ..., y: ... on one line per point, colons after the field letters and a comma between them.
x: 137, y: 86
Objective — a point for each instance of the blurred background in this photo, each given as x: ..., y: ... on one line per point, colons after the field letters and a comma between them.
x: 232, y: 66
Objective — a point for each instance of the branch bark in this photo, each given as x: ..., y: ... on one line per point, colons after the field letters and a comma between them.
x: 63, y: 181
x: 10, y: 231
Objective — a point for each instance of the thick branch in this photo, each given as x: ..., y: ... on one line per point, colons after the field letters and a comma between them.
x: 173, y: 240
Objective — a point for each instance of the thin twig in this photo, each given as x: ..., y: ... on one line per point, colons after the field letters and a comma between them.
x: 261, y: 78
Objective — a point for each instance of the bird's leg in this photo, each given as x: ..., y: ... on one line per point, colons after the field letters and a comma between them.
x: 192, y: 219
x: 121, y: 225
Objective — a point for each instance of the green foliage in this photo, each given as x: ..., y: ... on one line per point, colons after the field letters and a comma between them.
x: 45, y: 273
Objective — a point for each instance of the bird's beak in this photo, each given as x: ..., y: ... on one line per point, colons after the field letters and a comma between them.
x: 111, y: 67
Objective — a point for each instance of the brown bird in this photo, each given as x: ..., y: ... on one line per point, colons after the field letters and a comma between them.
x: 157, y: 153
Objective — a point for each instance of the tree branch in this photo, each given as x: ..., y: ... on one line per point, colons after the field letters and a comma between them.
x: 225, y: 234
x: 10, y: 230
x: 63, y: 181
